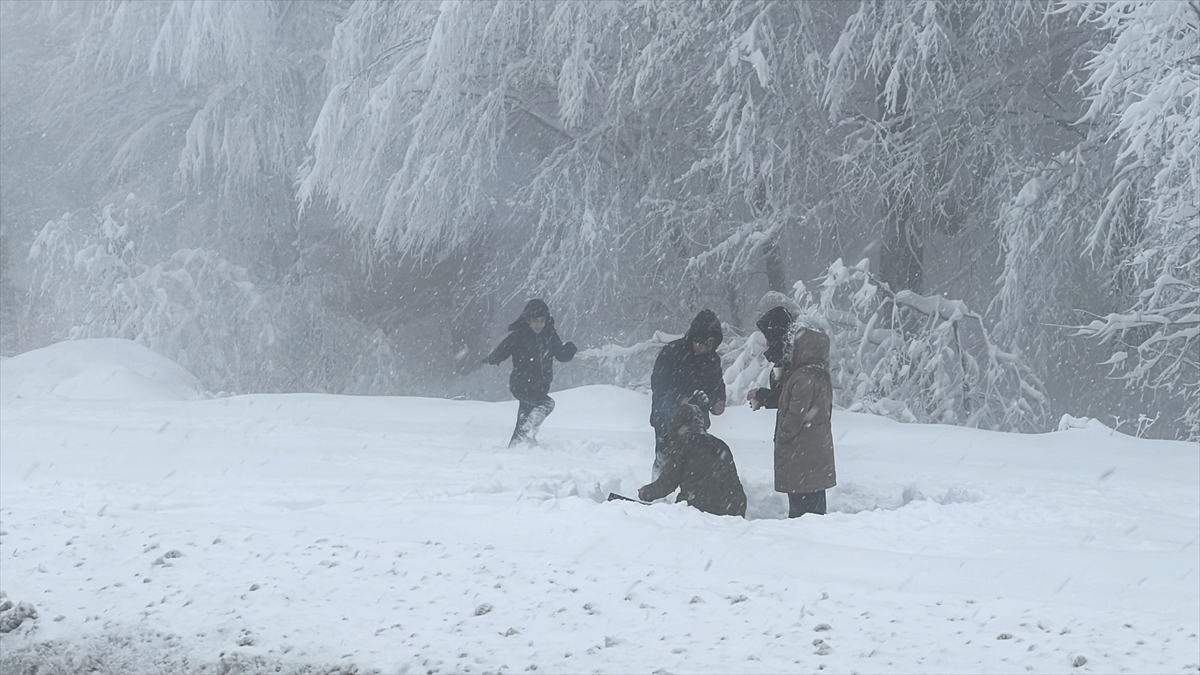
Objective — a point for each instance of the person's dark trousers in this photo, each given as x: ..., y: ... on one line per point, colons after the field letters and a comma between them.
x: 800, y: 503
x: 660, y: 451
x: 530, y: 415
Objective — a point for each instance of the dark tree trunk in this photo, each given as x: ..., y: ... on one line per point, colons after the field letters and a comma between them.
x: 772, y: 259
x: 774, y: 264
x: 901, y: 261
x: 901, y: 258
x: 734, y: 299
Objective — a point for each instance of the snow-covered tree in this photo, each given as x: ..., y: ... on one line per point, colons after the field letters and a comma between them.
x: 391, y: 176
x: 940, y: 103
x: 607, y: 147
x: 1144, y: 89
x: 201, y: 310
x: 911, y: 357
x: 202, y: 110
x: 1110, y: 224
x: 182, y: 308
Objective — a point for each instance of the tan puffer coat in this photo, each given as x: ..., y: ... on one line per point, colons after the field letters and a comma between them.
x: 803, y: 436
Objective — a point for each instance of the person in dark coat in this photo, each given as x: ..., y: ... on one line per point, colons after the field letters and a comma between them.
x: 533, y: 344
x: 683, y: 368
x: 700, y: 466
x: 804, y: 467
x: 775, y: 326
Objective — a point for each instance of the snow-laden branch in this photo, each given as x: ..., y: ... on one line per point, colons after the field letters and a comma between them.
x: 912, y: 357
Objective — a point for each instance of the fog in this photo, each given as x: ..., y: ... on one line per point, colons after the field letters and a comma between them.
x: 357, y: 198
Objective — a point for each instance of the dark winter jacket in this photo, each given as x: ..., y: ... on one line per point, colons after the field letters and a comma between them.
x: 775, y: 326
x: 532, y: 353
x: 803, y: 435
x: 701, y: 466
x: 679, y: 371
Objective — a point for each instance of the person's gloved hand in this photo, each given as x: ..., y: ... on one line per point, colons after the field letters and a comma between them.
x: 568, y: 351
x: 700, y: 400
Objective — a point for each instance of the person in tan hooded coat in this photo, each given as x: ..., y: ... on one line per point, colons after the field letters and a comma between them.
x: 803, y: 436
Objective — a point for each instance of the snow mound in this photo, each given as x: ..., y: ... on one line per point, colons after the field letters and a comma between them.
x: 101, y: 369
x: 600, y: 406
x: 1069, y: 422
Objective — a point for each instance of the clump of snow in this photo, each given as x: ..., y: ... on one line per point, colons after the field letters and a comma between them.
x: 13, y: 616
x: 107, y: 369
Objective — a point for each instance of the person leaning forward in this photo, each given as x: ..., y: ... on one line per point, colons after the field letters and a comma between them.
x: 683, y: 368
x: 700, y: 465
x: 804, y: 467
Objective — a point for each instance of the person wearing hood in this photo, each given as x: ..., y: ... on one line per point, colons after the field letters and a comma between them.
x: 804, y: 467
x: 700, y: 466
x: 684, y: 368
x: 532, y: 344
x: 775, y: 326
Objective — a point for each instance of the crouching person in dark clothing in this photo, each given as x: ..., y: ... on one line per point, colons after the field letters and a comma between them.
x: 533, y: 344
x: 700, y: 465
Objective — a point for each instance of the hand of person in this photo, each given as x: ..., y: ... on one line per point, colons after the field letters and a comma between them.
x: 568, y: 351
x: 752, y: 396
x: 718, y: 407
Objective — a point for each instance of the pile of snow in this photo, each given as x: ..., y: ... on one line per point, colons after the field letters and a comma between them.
x: 311, y: 533
x: 101, y: 369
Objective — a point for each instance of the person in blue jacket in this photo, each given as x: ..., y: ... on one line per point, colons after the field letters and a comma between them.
x: 533, y: 345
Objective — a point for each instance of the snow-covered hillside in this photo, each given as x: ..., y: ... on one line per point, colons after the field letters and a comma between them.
x: 152, y: 529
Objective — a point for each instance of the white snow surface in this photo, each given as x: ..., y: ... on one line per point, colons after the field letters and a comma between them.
x: 154, y: 529
x: 99, y: 369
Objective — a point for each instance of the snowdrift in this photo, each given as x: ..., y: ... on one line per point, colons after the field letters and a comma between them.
x: 99, y: 369
x: 158, y: 531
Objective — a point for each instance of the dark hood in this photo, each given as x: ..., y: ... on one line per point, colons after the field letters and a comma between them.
x: 810, y: 346
x: 705, y: 325
x: 533, y: 308
x: 775, y: 324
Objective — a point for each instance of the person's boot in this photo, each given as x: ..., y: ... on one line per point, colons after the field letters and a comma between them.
x: 534, y: 422
x: 526, y: 430
x: 520, y: 434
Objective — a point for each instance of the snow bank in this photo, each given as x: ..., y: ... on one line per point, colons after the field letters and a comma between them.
x: 103, y: 369
x: 309, y: 533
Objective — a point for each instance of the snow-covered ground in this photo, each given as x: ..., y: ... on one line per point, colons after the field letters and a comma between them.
x: 154, y: 529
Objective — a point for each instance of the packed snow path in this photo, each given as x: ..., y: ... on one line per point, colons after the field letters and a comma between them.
x: 146, y: 525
